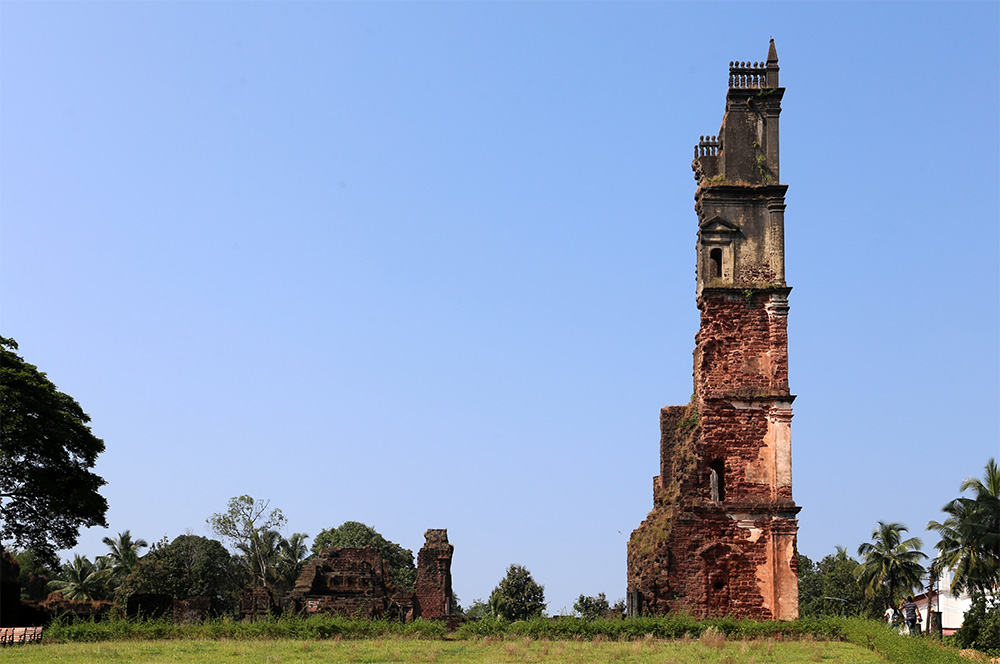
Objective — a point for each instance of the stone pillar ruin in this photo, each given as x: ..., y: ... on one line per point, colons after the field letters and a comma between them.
x: 433, y: 587
x: 721, y: 538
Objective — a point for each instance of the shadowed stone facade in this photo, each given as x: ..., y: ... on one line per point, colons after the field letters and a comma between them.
x: 351, y: 582
x: 721, y: 538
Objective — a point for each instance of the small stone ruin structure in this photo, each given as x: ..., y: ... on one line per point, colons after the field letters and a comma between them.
x: 195, y: 610
x: 721, y: 538
x: 348, y: 581
x: 256, y: 604
x: 355, y: 581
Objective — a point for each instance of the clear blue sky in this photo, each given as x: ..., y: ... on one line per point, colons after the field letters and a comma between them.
x: 431, y: 265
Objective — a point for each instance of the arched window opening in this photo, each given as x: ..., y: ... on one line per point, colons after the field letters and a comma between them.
x: 716, y: 257
x: 717, y: 480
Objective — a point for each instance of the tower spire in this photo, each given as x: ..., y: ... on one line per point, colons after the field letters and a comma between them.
x: 772, y: 66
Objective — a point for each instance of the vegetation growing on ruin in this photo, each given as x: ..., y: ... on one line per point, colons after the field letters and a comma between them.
x: 690, y: 421
x: 354, y: 533
x: 683, y: 461
x: 654, y: 530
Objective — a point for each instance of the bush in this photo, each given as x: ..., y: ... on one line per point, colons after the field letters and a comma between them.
x: 65, y: 630
x: 980, y: 626
x: 314, y: 627
x: 425, y: 629
x: 518, y: 596
x: 591, y: 608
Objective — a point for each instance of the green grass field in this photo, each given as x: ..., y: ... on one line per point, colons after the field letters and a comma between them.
x: 483, y: 651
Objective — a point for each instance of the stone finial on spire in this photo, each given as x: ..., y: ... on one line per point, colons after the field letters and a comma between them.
x: 772, y: 66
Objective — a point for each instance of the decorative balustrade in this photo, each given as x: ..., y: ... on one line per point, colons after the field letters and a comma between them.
x: 708, y: 146
x: 747, y: 74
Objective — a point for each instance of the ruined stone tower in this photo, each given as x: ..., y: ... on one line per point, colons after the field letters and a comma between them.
x: 721, y: 537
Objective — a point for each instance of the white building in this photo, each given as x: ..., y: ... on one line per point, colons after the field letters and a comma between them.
x: 952, y: 607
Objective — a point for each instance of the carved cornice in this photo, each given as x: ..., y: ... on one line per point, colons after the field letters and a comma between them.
x: 756, y: 401
x: 740, y: 291
x: 740, y: 190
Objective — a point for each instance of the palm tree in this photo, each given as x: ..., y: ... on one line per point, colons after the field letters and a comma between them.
x: 124, y: 555
x: 890, y: 562
x: 81, y: 580
x: 261, y: 555
x: 291, y: 559
x: 970, y: 535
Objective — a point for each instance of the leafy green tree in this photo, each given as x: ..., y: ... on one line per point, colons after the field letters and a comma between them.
x: 47, y: 490
x: 82, y: 579
x: 124, y: 554
x: 970, y: 535
x: 34, y: 576
x: 189, y: 566
x: 889, y: 562
x: 592, y: 608
x: 478, y: 610
x: 259, y: 558
x: 518, y: 596
x: 251, y: 529
x: 830, y: 588
x: 809, y: 585
x: 353, y: 533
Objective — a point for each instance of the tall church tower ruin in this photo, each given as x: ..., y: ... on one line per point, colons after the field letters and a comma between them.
x: 720, y: 539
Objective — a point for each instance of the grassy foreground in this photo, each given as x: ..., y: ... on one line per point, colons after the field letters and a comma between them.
x: 669, y: 640
x: 484, y: 651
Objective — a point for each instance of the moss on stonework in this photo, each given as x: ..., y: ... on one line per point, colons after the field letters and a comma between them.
x: 684, y: 457
x: 690, y: 421
x: 652, y: 533
x: 651, y: 539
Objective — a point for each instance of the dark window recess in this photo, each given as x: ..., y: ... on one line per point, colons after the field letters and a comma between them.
x: 716, y: 257
x: 717, y: 480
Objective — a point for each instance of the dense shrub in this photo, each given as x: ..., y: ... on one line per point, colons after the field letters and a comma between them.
x: 980, y: 626
x: 426, y: 629
x: 65, y: 629
x: 484, y: 627
x: 870, y: 634
x: 313, y: 627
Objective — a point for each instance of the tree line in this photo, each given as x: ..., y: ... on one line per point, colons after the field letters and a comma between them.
x: 260, y: 556
x: 891, y: 566
x: 195, y: 566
